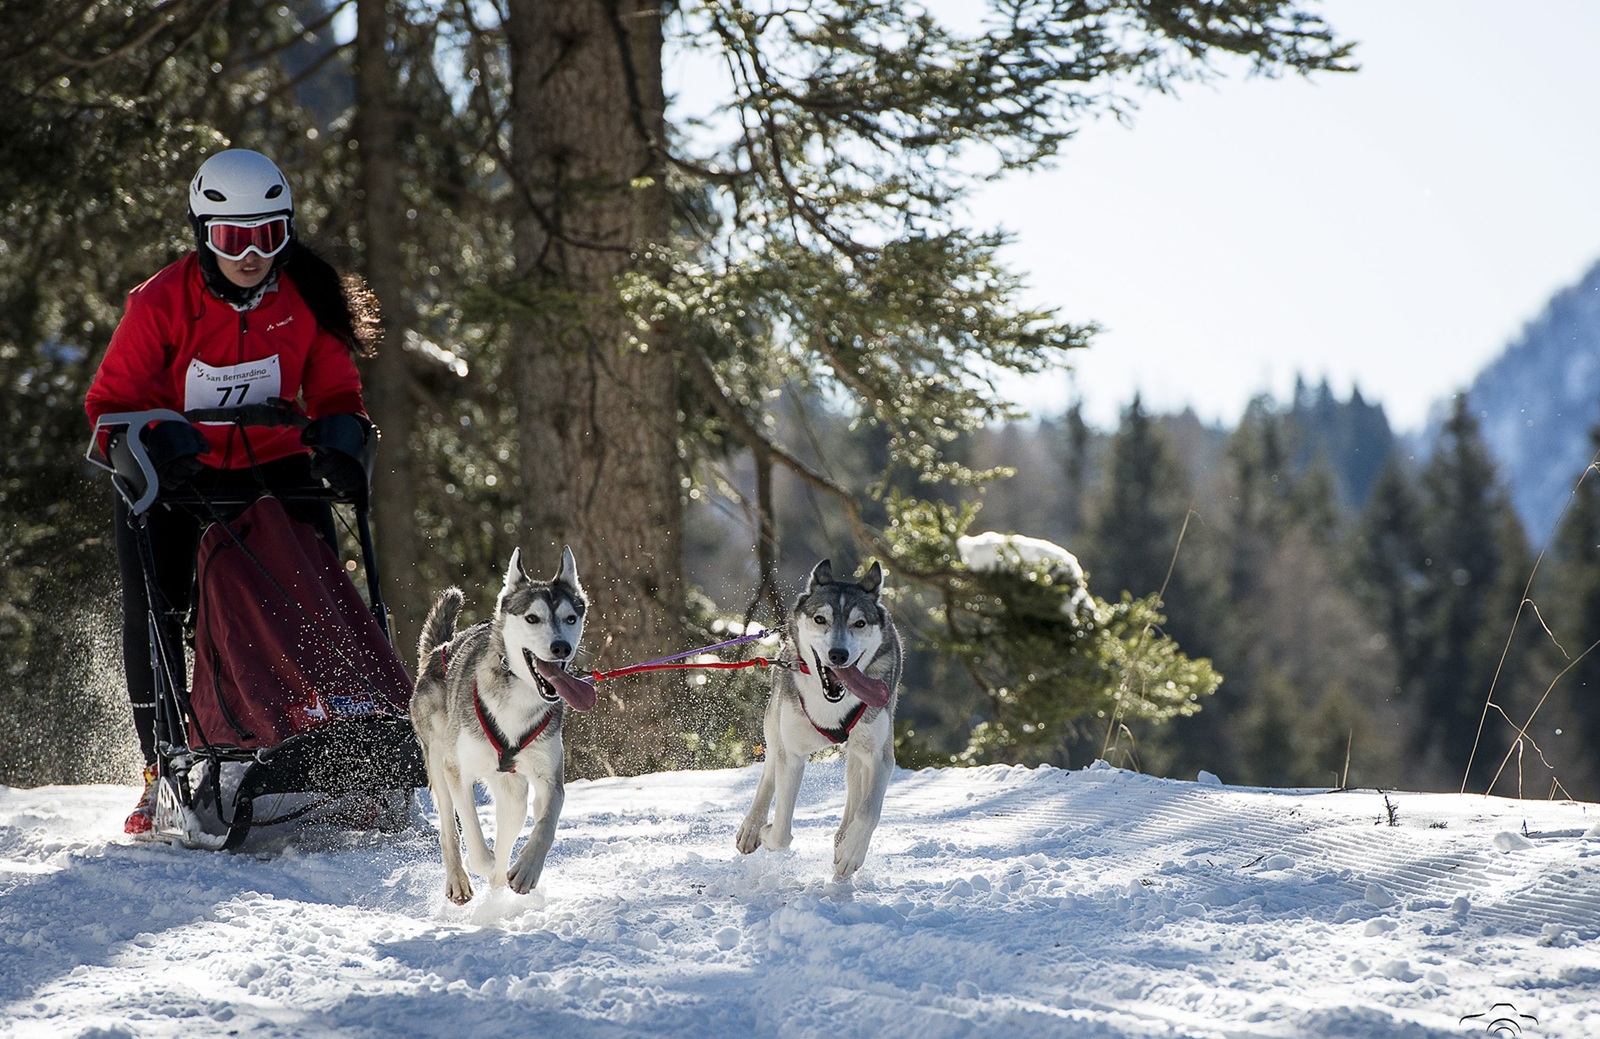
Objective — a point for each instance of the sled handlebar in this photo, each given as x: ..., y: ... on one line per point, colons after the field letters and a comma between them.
x: 275, y: 412
x: 138, y: 499
x: 140, y: 487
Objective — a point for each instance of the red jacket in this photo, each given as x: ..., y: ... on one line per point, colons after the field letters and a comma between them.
x: 180, y: 347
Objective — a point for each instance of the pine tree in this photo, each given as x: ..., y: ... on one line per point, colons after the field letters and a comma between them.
x: 1570, y: 602
x: 1076, y: 463
x: 1136, y: 529
x: 1391, y: 567
x: 1141, y: 543
x: 1261, y: 477
x: 1475, y: 564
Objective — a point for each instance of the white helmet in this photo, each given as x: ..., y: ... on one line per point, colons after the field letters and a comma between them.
x: 238, y: 183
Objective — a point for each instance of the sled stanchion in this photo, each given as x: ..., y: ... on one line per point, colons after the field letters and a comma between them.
x: 166, y: 660
x: 369, y: 563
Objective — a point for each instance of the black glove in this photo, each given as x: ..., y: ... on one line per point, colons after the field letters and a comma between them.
x: 342, y: 450
x: 175, y: 448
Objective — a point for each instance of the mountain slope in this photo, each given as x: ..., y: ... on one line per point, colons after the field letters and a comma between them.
x: 1538, y: 401
x: 995, y: 901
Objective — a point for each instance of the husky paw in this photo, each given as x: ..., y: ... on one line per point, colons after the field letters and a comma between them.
x: 524, y: 879
x: 773, y: 841
x: 849, y: 852
x: 748, y: 839
x: 457, y: 888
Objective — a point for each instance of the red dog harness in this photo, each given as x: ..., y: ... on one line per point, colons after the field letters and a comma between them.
x: 842, y: 733
x: 491, y: 731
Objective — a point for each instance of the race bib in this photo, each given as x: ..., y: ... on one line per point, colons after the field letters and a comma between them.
x: 232, y: 385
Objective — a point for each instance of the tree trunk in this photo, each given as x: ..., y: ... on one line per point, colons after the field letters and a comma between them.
x: 388, y: 376
x: 596, y: 398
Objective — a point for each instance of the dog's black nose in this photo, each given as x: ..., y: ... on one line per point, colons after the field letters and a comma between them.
x: 838, y: 657
x: 561, y: 649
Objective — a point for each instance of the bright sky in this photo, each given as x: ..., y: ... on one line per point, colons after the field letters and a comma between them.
x: 1392, y: 229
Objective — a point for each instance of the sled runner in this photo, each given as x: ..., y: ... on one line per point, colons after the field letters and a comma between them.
x: 299, y: 706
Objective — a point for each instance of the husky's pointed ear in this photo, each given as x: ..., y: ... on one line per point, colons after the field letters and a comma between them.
x: 873, y: 582
x: 514, y: 573
x: 822, y: 573
x: 569, y: 569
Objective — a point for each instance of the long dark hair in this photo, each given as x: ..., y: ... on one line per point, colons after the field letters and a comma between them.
x: 342, y: 304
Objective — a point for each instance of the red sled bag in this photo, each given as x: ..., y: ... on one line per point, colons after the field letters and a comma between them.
x: 284, y: 644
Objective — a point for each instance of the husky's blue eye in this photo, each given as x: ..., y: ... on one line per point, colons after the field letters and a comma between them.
x: 859, y: 624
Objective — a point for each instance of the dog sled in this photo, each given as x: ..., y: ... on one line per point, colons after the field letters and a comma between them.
x: 299, y: 708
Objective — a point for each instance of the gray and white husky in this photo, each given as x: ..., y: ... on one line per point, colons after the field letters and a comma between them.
x: 843, y: 691
x: 488, y: 707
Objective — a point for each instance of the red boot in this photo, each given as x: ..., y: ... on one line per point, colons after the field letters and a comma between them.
x: 141, y: 821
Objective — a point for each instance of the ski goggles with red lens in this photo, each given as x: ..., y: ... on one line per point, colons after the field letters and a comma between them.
x: 232, y: 239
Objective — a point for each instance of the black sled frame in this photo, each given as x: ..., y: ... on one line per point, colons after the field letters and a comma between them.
x: 206, y: 796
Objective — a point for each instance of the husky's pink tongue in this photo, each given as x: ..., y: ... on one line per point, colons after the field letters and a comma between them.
x: 578, y: 693
x: 874, y: 692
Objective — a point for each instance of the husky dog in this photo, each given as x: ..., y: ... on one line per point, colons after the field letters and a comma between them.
x: 843, y: 691
x: 488, y: 707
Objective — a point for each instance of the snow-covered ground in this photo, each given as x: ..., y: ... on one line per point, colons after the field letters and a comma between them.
x: 995, y: 901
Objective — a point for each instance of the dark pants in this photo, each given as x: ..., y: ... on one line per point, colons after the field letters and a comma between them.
x: 174, y: 544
